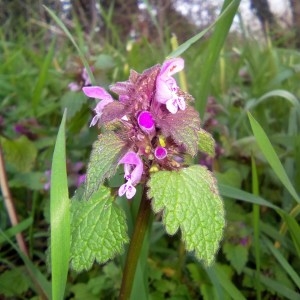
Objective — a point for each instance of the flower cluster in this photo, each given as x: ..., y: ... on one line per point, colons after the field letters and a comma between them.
x: 153, y: 117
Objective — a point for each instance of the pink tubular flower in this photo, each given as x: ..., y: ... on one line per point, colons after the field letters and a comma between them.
x: 85, y: 76
x: 84, y: 80
x: 160, y: 152
x: 146, y: 122
x: 166, y: 86
x: 98, y: 93
x: 133, y: 168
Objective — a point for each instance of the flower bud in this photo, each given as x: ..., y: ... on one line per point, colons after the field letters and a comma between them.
x: 160, y: 152
x: 146, y: 122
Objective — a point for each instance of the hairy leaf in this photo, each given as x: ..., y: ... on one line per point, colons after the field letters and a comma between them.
x: 107, y: 151
x: 73, y: 102
x: 190, y: 201
x: 206, y: 143
x: 98, y: 230
x: 183, y: 127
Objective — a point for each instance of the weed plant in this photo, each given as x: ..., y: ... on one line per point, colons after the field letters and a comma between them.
x: 247, y: 94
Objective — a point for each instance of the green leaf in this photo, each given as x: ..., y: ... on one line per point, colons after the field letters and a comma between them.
x: 271, y: 156
x: 73, y: 102
x: 206, y: 143
x: 106, y: 153
x: 82, y: 291
x: 183, y: 127
x: 284, y: 263
x: 59, y: 216
x: 237, y: 255
x: 38, y: 280
x: 232, y: 177
x: 191, y: 202
x: 13, y: 282
x: 99, y: 230
x: 20, y: 153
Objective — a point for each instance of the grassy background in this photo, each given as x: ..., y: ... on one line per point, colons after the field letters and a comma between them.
x: 247, y: 92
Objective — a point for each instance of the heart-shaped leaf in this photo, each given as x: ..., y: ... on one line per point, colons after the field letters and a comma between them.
x: 190, y: 201
x: 98, y: 230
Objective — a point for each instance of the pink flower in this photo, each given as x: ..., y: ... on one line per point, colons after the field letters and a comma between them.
x: 146, y: 122
x: 85, y: 76
x: 167, y: 88
x: 98, y: 93
x: 81, y: 179
x: 84, y: 81
x: 133, y: 169
x: 73, y: 87
x: 160, y: 152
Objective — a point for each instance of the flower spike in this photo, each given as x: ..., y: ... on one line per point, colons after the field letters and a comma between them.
x: 149, y: 117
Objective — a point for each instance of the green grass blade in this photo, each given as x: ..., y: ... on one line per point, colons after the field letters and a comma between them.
x: 226, y: 13
x: 271, y: 156
x: 276, y: 286
x: 234, y: 193
x: 288, y: 96
x: 59, y: 216
x: 294, y: 230
x: 70, y: 37
x: 40, y: 282
x: 212, y: 274
x: 216, y: 43
x: 273, y: 233
x: 284, y: 263
x: 12, y: 231
x: 42, y: 78
x: 227, y: 285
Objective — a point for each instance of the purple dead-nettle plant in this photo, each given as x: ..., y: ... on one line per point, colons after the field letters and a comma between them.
x: 151, y: 131
x: 145, y: 114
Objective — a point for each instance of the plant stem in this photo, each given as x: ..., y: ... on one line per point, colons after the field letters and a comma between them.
x: 135, y: 246
x: 9, y: 203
